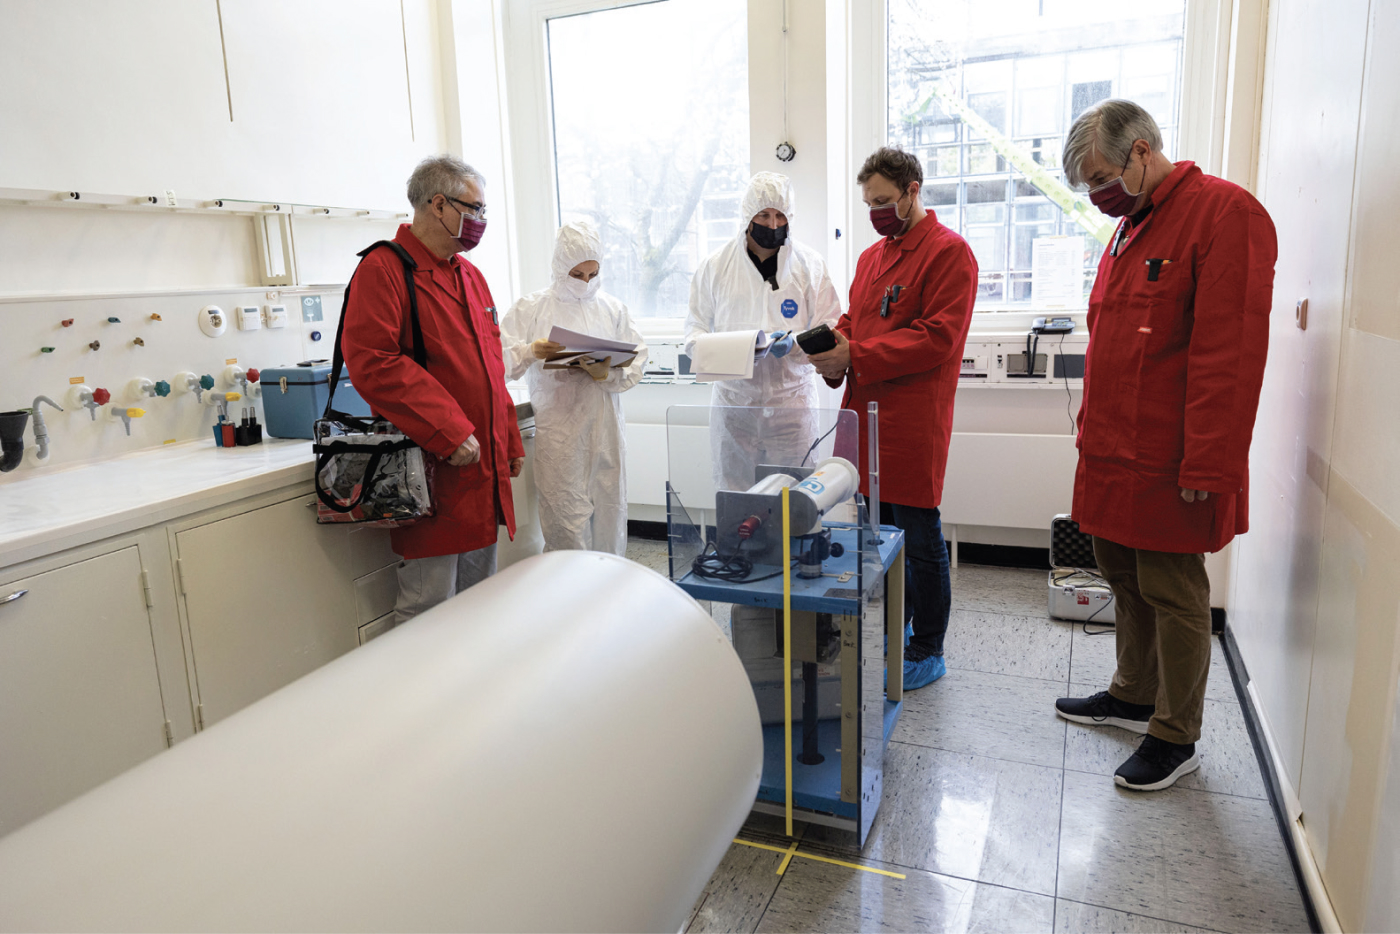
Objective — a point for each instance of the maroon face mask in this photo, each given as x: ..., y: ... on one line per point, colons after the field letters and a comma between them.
x: 886, y: 220
x: 1113, y: 198
x: 469, y: 231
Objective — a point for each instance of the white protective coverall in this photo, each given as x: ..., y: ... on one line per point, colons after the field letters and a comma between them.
x: 728, y: 294
x: 580, y: 443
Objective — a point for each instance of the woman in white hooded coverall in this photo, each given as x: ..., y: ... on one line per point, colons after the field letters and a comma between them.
x: 580, y: 445
x: 729, y: 293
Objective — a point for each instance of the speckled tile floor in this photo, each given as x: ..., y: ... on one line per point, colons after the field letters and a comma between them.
x: 1002, y: 817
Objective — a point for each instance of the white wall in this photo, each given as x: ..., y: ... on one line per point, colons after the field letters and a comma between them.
x: 1315, y: 607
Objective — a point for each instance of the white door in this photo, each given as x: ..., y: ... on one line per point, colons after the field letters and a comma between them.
x: 269, y: 596
x: 80, y: 698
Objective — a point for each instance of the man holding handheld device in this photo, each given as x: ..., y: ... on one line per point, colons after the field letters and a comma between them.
x: 901, y: 344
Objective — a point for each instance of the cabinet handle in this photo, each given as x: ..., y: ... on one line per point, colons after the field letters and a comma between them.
x: 13, y: 597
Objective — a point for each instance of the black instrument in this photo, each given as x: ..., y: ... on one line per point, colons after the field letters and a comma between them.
x: 819, y: 339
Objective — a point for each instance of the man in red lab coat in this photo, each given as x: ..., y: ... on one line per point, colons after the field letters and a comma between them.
x: 900, y: 344
x: 1179, y: 328
x: 457, y: 408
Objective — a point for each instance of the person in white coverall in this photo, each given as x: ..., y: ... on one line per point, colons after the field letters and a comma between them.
x: 580, y: 445
x: 763, y: 279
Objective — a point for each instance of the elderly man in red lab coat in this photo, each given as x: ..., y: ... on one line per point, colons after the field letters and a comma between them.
x: 901, y: 345
x: 457, y: 408
x: 1179, y: 328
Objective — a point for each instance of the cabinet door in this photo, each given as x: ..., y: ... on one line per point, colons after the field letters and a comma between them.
x: 269, y: 596
x: 79, y: 695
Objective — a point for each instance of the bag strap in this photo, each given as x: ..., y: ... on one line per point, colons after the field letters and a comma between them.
x: 366, y: 481
x: 420, y: 353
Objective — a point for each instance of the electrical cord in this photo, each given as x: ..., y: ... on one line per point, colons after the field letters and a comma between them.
x: 1069, y: 397
x: 817, y: 442
x: 732, y: 569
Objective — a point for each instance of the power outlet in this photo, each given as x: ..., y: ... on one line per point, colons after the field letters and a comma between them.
x: 275, y: 316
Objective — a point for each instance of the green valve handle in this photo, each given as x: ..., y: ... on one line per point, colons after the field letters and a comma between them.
x: 206, y: 382
x: 162, y: 388
x: 46, y: 350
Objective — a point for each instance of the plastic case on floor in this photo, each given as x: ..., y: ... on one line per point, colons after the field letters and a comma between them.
x: 295, y: 396
x: 1077, y: 592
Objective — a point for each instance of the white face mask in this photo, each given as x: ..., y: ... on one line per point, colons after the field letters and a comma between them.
x: 583, y: 291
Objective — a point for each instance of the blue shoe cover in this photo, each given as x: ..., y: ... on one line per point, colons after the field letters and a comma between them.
x: 923, y: 673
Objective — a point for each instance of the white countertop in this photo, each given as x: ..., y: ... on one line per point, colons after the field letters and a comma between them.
x: 47, y: 511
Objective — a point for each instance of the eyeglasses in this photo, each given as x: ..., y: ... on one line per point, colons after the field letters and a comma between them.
x: 476, y: 211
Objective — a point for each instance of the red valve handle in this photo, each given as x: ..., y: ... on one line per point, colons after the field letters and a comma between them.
x: 253, y: 375
x: 101, y: 396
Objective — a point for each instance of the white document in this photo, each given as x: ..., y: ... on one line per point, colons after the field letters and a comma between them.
x: 575, y: 342
x: 1057, y: 272
x: 728, y: 354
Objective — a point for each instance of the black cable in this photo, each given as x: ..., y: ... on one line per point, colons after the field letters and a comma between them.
x: 732, y: 569
x: 1111, y: 600
x: 1069, y: 397
x: 817, y: 442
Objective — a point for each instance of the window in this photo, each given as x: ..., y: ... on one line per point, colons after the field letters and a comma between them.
x: 984, y: 91
x: 651, y: 138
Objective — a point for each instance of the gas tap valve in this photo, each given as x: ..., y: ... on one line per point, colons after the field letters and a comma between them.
x: 90, y: 399
x: 188, y: 382
x: 247, y: 380
x: 139, y: 387
x: 126, y: 415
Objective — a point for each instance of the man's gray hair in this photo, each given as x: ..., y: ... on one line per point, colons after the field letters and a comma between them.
x: 1109, y: 128
x: 444, y: 174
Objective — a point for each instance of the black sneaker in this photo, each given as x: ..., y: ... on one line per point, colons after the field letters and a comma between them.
x: 1103, y: 708
x: 1157, y: 764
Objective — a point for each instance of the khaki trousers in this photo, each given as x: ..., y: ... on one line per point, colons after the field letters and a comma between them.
x: 1162, y: 608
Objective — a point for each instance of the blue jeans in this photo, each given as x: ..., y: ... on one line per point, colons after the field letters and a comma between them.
x: 928, y: 591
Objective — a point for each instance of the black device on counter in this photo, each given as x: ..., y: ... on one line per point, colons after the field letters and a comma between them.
x: 1053, y: 326
x: 819, y: 339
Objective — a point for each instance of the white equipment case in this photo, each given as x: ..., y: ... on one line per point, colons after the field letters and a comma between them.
x: 1077, y: 591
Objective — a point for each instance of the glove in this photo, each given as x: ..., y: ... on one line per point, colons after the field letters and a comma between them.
x: 598, y: 369
x: 782, y: 345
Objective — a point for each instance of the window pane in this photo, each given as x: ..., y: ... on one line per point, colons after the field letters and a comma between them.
x: 1005, y: 79
x: 651, y: 139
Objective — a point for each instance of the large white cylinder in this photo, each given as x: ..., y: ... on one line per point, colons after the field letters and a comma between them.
x: 569, y: 745
x: 833, y: 482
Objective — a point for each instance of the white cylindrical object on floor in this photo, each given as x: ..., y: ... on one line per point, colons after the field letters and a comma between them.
x: 569, y: 745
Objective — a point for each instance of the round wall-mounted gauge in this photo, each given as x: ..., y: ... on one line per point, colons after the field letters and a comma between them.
x: 786, y: 152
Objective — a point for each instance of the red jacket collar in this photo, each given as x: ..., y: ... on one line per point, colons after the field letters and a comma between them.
x: 1184, y: 170
x: 424, y: 257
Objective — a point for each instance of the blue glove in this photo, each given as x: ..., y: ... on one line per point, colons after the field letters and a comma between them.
x: 782, y: 345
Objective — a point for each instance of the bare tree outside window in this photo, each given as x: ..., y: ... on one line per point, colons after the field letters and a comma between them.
x: 651, y: 138
x: 983, y: 92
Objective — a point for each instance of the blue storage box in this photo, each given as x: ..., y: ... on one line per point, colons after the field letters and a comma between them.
x: 295, y: 396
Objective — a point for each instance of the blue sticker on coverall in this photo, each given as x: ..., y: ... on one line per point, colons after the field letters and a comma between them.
x: 789, y: 308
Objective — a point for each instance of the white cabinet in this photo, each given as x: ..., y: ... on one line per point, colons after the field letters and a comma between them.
x: 80, y: 696
x: 269, y: 596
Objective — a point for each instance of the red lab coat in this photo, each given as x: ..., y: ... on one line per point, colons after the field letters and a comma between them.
x: 1171, y: 382
x: 462, y: 392
x: 909, y: 361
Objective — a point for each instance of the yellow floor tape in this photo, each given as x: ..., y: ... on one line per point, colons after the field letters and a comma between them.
x: 791, y: 851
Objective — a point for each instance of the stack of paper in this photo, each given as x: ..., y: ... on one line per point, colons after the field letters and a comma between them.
x: 728, y: 354
x: 585, y: 348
